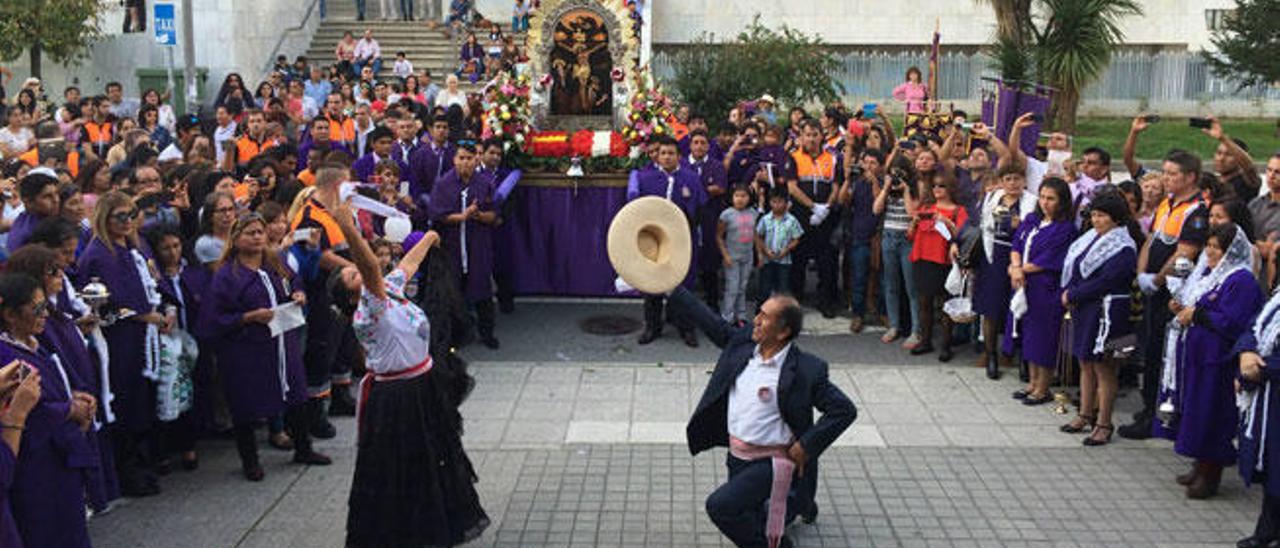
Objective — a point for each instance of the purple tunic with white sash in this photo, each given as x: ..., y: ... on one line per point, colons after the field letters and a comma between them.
x: 47, y: 495
x: 1100, y: 301
x: 257, y: 383
x: 1039, y: 330
x: 475, y: 263
x: 135, y: 394
x: 1259, y: 431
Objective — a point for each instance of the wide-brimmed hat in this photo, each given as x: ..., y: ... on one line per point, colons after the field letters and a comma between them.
x: 766, y: 98
x: 649, y: 245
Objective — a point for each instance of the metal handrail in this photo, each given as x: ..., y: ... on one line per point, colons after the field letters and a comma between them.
x: 271, y: 59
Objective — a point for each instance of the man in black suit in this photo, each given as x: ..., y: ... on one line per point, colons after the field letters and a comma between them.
x: 763, y: 412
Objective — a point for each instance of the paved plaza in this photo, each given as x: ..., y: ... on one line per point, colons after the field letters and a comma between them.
x: 579, y: 441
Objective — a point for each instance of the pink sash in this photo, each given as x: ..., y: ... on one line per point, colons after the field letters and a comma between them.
x: 783, y: 467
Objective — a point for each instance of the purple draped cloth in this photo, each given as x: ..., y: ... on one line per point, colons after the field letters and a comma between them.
x: 1039, y: 330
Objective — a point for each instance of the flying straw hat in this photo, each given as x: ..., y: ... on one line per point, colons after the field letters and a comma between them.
x: 649, y: 245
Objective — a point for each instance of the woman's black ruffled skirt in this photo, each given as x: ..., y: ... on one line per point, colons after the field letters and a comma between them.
x: 414, y: 485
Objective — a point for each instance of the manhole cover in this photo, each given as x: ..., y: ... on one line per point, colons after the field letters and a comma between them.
x: 610, y: 325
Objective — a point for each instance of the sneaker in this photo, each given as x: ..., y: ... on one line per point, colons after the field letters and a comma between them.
x: 889, y: 336
x: 912, y: 342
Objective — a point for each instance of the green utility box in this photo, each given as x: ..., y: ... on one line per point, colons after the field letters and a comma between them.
x: 157, y: 79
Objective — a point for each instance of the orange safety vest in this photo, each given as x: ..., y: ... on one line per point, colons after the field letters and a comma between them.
x: 32, y: 158
x: 344, y: 131
x: 810, y: 169
x: 99, y: 133
x: 306, y: 177
x: 1167, y: 226
x: 247, y: 148
x: 316, y: 212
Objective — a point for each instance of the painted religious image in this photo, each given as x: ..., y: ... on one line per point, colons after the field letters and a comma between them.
x: 580, y: 65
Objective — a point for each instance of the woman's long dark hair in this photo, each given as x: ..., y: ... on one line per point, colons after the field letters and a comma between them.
x: 451, y: 326
x: 1066, y: 209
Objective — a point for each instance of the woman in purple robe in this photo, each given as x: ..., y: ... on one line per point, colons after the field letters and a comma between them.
x: 18, y: 396
x: 1214, y: 307
x: 115, y: 259
x: 1097, y: 271
x: 1035, y: 269
x: 462, y: 209
x: 262, y: 374
x: 999, y: 216
x: 47, y: 494
x: 62, y: 337
x: 63, y: 237
x: 1259, y: 391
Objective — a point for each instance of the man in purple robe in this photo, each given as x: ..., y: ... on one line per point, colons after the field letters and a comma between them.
x: 39, y: 193
x: 430, y: 162
x: 462, y: 210
x: 407, y: 143
x: 684, y: 188
x: 380, y: 149
x: 711, y: 173
x: 698, y: 122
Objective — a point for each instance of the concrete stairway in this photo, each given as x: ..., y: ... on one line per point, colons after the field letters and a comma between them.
x: 425, y: 48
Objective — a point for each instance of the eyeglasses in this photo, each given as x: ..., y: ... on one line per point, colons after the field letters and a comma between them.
x: 125, y: 217
x: 222, y: 210
x: 466, y: 142
x: 40, y: 308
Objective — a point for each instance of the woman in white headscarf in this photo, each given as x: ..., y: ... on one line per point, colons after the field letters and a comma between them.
x: 1214, y: 307
x: 1260, y: 403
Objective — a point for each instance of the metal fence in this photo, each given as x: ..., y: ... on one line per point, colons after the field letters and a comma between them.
x: 1174, y: 81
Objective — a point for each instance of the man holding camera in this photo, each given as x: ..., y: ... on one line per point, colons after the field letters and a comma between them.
x: 862, y: 182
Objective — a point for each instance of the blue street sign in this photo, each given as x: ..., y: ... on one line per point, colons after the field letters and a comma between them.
x: 166, y: 32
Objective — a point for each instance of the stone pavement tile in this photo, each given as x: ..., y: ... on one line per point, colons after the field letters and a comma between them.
x: 544, y: 410
x: 608, y: 375
x: 660, y: 410
x: 1011, y: 412
x: 529, y: 433
x: 598, y: 432
x: 486, y: 408
x: 657, y: 432
x: 555, y: 375
x: 860, y: 435
x: 896, y: 413
x: 912, y: 435
x: 483, y: 433
x: 958, y: 413
x: 648, y: 376
x: 610, y: 391
x: 1041, y: 436
x: 976, y: 435
x: 602, y: 410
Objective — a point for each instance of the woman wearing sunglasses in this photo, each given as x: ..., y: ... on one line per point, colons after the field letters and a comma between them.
x: 262, y: 373
x: 47, y: 493
x: 113, y: 258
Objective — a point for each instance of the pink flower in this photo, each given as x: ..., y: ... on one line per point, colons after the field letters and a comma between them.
x: 508, y: 89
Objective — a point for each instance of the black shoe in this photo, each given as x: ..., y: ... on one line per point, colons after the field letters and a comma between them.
x: 163, y: 467
x: 490, y: 342
x: 138, y: 487
x: 690, y: 339
x: 1033, y: 401
x: 1255, y: 542
x: 812, y: 515
x: 829, y: 312
x: 506, y: 306
x: 191, y: 464
x: 993, y: 369
x: 1020, y: 394
x: 312, y: 458
x: 945, y: 355
x: 649, y: 336
x: 323, y: 430
x: 1140, y: 429
x: 922, y: 349
x: 341, y: 404
x: 253, y: 472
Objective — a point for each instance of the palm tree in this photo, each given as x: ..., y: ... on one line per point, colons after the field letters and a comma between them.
x: 1073, y: 47
x: 1013, y: 18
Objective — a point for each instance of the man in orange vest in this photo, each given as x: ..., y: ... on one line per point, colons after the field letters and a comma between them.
x: 253, y: 142
x: 341, y: 127
x: 812, y: 176
x: 97, y: 132
x: 51, y: 151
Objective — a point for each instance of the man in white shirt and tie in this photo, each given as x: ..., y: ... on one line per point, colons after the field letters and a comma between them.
x: 759, y: 403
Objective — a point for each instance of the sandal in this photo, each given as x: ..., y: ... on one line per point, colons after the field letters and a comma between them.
x: 1074, y: 428
x: 1021, y: 394
x: 1032, y: 400
x: 1094, y: 442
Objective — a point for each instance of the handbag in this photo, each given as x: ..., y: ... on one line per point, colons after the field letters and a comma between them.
x: 971, y: 253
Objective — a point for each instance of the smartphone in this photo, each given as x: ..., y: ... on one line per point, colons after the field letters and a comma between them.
x: 24, y: 371
x: 1037, y: 118
x: 868, y: 111
x: 404, y: 188
x: 1200, y: 123
x: 926, y: 214
x: 907, y: 145
x: 1151, y: 118
x: 303, y: 234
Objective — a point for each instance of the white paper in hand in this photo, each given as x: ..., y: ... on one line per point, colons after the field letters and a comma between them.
x: 622, y: 286
x: 286, y: 317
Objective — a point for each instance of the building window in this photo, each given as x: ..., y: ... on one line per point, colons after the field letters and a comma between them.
x: 1216, y: 20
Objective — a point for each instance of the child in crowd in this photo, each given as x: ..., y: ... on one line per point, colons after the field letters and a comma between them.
x: 403, y: 68
x: 777, y: 235
x: 736, y: 234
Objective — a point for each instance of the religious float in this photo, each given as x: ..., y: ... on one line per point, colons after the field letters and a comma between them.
x: 573, y: 124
